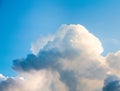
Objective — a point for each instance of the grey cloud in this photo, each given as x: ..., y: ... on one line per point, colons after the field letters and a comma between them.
x: 44, y: 59
x: 112, y: 83
x: 70, y: 80
x: 10, y: 84
x: 113, y: 60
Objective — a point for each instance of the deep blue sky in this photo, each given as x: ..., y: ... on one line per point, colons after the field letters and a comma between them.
x: 22, y: 21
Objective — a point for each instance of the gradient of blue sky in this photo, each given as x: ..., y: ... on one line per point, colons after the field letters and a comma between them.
x: 22, y: 21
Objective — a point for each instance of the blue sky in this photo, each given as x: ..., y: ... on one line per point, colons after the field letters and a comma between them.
x: 22, y: 21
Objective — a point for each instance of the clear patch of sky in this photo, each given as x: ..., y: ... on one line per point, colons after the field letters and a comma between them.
x: 22, y: 21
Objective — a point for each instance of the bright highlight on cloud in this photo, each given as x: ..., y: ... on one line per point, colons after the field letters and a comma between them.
x: 69, y: 60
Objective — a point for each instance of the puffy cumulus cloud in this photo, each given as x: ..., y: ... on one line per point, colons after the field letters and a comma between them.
x: 69, y: 60
x: 69, y: 42
x: 113, y: 60
x: 74, y: 37
x: 73, y: 52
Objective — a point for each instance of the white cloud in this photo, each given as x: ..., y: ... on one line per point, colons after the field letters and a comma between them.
x: 1, y: 76
x: 113, y: 60
x: 69, y: 60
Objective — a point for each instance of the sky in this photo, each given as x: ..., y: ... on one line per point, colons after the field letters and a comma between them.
x: 24, y: 22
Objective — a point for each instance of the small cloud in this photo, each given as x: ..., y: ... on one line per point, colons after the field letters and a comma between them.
x: 115, y: 41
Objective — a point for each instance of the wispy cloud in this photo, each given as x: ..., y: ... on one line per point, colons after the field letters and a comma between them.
x: 115, y: 41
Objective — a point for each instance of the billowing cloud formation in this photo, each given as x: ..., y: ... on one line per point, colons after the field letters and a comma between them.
x: 69, y: 60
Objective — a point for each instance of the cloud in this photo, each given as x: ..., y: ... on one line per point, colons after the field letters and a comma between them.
x: 112, y: 83
x: 69, y: 42
x: 44, y: 80
x: 115, y: 41
x: 39, y: 44
x: 114, y: 58
x: 1, y: 76
x: 69, y: 60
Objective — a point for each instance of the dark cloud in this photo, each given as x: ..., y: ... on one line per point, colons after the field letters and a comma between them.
x: 112, y: 83
x: 112, y: 86
x: 45, y: 59
x: 70, y: 80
